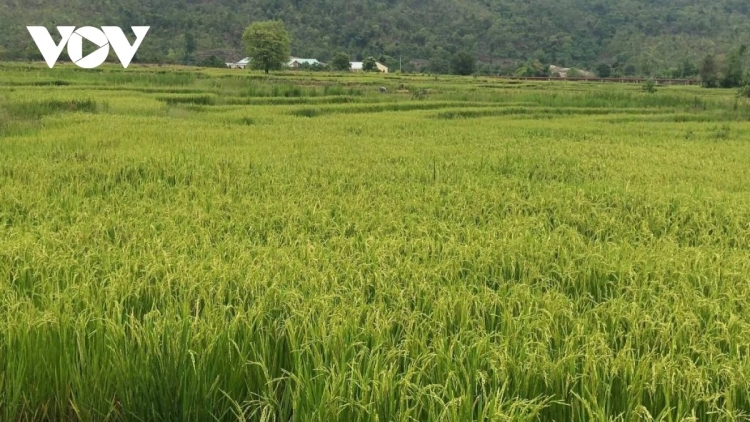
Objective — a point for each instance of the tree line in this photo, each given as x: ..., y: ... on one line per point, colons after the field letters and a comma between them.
x: 630, y: 37
x: 268, y: 44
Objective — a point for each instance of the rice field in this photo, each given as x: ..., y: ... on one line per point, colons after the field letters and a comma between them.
x: 194, y: 245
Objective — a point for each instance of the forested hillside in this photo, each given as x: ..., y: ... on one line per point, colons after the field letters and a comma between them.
x: 649, y: 35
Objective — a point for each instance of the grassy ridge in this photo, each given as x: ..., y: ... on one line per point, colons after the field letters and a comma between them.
x: 182, y: 261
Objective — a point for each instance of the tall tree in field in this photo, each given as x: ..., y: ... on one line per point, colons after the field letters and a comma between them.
x: 688, y: 69
x: 734, y: 70
x: 190, y: 47
x: 369, y: 65
x: 709, y: 73
x: 603, y: 70
x: 463, y: 63
x: 267, y: 44
x: 341, y: 62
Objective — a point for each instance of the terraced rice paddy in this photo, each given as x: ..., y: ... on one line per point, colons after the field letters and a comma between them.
x: 220, y: 245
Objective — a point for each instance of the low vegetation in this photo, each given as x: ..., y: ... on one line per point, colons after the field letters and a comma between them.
x: 207, y: 245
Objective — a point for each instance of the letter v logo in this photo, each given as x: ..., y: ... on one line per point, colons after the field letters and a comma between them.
x: 120, y: 44
x: 46, y: 45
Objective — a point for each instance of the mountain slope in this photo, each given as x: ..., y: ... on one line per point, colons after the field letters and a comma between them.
x: 649, y: 34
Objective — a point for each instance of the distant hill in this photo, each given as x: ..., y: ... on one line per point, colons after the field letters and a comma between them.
x: 648, y: 35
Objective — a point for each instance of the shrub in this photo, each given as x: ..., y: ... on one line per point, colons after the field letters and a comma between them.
x: 649, y: 86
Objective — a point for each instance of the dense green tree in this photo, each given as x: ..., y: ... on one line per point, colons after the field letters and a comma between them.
x: 603, y: 70
x: 341, y: 62
x: 708, y: 72
x: 316, y: 67
x: 575, y: 73
x: 688, y: 69
x: 463, y: 63
x: 171, y: 57
x: 190, y: 47
x: 570, y: 33
x: 734, y: 72
x: 744, y: 91
x: 439, y: 65
x: 267, y: 43
x: 535, y: 68
x: 369, y: 65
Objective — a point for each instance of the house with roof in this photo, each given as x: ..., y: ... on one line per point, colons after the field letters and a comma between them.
x: 359, y: 66
x: 296, y: 62
x: 240, y: 64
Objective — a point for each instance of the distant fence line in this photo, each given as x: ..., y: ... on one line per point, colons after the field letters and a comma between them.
x: 659, y: 81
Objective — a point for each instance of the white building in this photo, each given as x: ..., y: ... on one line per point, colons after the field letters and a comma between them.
x: 240, y: 64
x: 359, y: 66
x: 293, y: 62
x: 297, y: 62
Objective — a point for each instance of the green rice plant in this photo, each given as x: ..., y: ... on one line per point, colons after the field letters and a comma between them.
x: 20, y: 118
x: 188, y: 99
x: 722, y: 132
x: 36, y: 109
x: 182, y: 245
x: 379, y: 108
x: 301, y: 100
